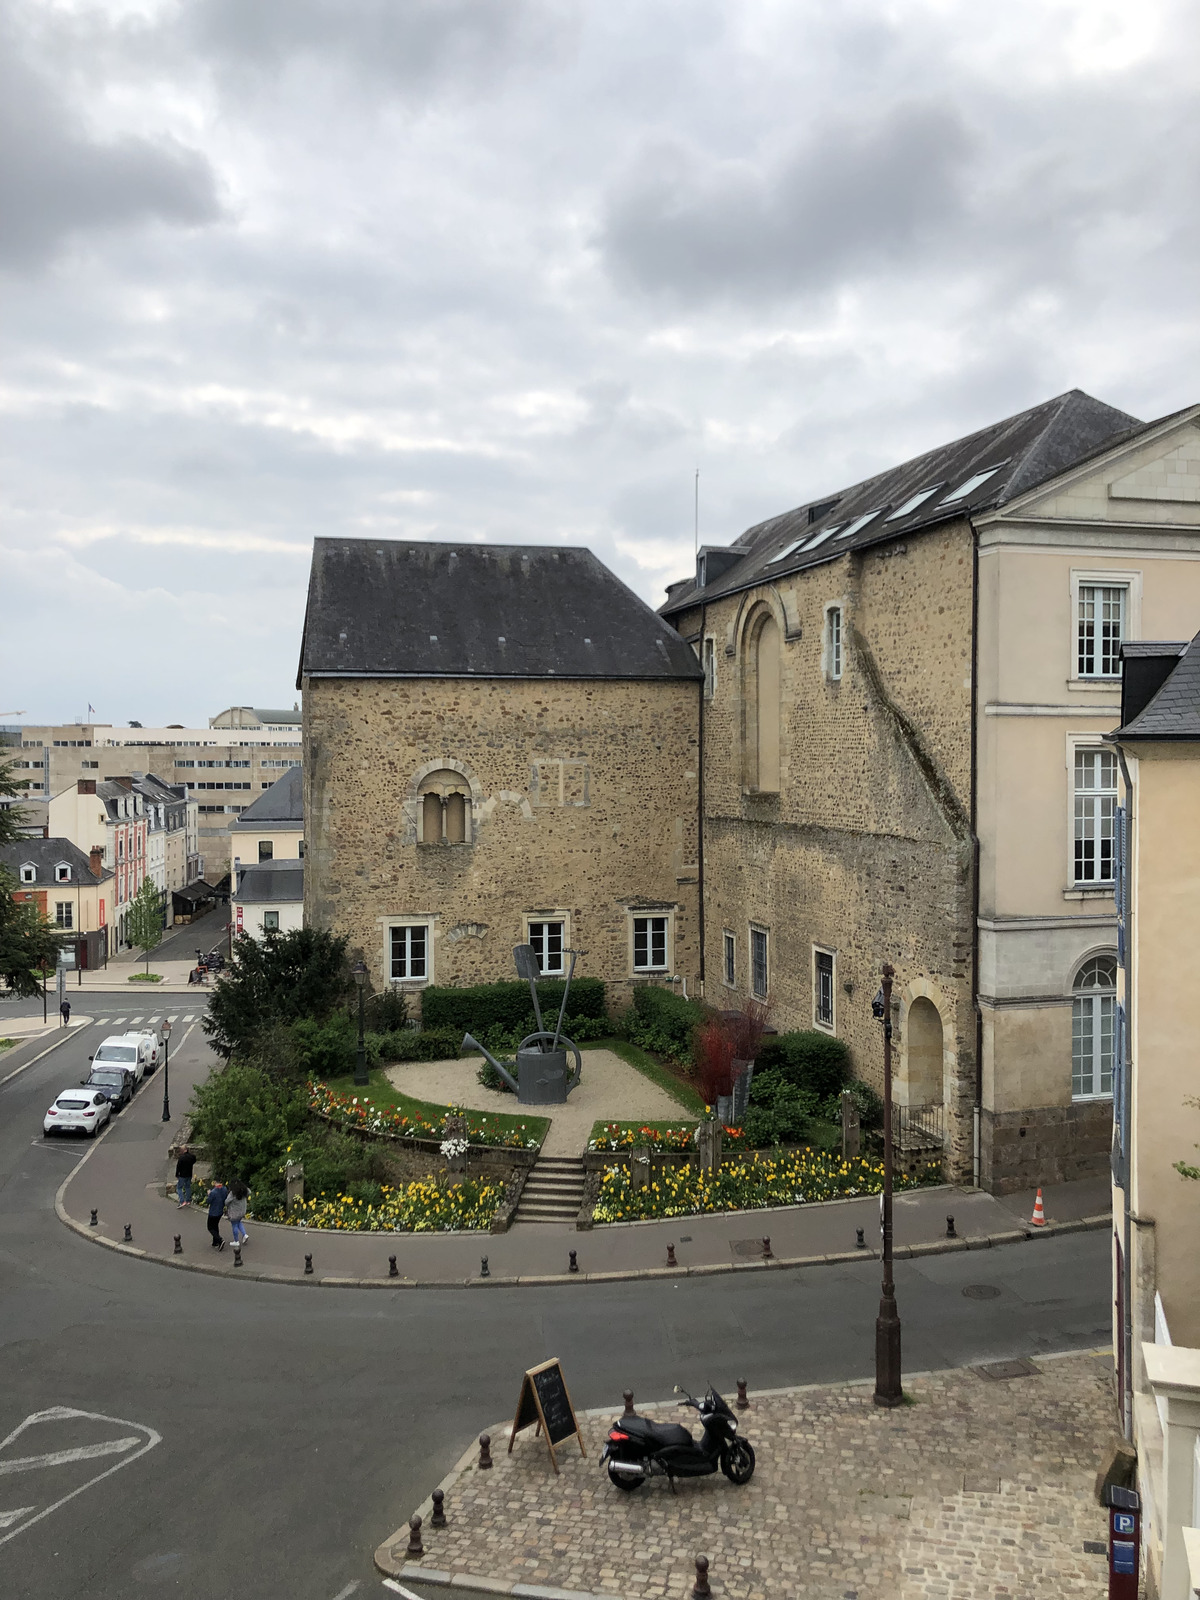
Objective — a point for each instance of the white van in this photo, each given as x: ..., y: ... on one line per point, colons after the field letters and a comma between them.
x: 120, y: 1050
x: 151, y: 1047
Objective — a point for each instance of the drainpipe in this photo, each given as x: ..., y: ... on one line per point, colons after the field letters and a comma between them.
x: 1126, y: 1306
x: 977, y: 1117
x: 700, y: 802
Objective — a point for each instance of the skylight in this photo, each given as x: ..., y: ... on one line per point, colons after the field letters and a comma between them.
x: 913, y: 501
x: 789, y: 551
x: 820, y: 538
x: 971, y: 484
x: 859, y: 522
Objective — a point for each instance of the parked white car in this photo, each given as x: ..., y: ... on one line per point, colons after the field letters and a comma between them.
x: 77, y: 1111
x: 120, y: 1050
x: 151, y: 1045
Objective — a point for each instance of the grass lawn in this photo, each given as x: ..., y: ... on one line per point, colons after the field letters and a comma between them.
x: 633, y: 1055
x: 385, y: 1095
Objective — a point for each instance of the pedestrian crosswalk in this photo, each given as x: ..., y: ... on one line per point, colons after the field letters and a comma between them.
x: 145, y: 1022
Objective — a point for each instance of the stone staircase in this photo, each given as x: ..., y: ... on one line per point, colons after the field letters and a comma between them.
x: 553, y: 1191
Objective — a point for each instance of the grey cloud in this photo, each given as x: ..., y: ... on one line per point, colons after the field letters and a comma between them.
x: 856, y: 197
x: 56, y: 181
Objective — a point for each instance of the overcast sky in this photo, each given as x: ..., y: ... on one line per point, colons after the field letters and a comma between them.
x: 510, y: 270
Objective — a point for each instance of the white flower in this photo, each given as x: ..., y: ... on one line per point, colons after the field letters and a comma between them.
x: 455, y: 1147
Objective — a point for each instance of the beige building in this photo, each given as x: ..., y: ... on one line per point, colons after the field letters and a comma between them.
x: 908, y: 684
x: 500, y: 746
x: 1156, y: 1205
x: 272, y: 827
x: 70, y: 887
x: 268, y: 898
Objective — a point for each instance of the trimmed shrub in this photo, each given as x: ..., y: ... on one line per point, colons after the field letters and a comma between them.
x: 664, y: 1021
x: 780, y: 1111
x: 506, y: 1005
x: 387, y: 1012
x: 809, y: 1060
x: 430, y: 1044
x: 330, y: 1049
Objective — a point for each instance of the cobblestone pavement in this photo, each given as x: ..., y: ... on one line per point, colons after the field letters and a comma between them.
x: 981, y: 1489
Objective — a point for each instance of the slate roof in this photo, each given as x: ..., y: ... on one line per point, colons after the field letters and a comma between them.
x: 271, y: 882
x: 1174, y: 712
x: 1028, y: 449
x: 45, y: 855
x: 393, y: 608
x: 282, y: 805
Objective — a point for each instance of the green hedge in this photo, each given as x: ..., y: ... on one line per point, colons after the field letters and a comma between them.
x: 808, y: 1060
x: 664, y: 1021
x: 430, y: 1044
x: 506, y: 1005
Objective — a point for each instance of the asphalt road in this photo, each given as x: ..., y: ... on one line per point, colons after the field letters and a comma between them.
x: 260, y: 1440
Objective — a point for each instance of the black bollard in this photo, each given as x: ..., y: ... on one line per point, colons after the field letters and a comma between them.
x: 766, y: 1250
x: 860, y: 1239
x: 393, y: 1270
x: 484, y: 1270
x: 415, y: 1548
x: 95, y: 1222
x: 671, y: 1261
x: 178, y: 1244
x: 308, y: 1266
x: 237, y: 1255
x: 701, y: 1590
x: 574, y: 1267
x: 438, y: 1519
x: 628, y: 1411
x: 485, y: 1452
x: 129, y: 1233
x: 950, y: 1233
x: 742, y: 1403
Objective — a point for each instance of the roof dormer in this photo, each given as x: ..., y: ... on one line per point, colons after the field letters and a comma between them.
x: 28, y: 872
x: 62, y: 872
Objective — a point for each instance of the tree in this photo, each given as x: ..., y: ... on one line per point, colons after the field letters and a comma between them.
x: 1184, y: 1168
x: 278, y: 978
x: 145, y: 919
x: 28, y: 940
x: 12, y: 818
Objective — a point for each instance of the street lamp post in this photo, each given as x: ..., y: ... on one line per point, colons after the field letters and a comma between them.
x: 888, y: 1390
x: 166, y: 1039
x: 361, y: 1076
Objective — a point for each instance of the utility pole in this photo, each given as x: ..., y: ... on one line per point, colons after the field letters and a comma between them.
x: 888, y: 1389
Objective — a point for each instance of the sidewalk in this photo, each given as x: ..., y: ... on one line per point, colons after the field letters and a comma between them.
x: 123, y: 1176
x: 982, y: 1487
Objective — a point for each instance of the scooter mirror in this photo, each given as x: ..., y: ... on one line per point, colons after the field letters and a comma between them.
x: 678, y: 1390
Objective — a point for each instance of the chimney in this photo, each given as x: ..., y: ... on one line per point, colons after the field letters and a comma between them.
x: 97, y: 857
x: 87, y: 786
x: 126, y: 783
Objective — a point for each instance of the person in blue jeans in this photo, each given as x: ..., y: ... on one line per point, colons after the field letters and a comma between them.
x: 217, y: 1197
x: 235, y: 1209
x: 184, y: 1167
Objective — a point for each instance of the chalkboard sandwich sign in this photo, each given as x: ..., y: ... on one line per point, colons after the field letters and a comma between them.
x: 544, y: 1400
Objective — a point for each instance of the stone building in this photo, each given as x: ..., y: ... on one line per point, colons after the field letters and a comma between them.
x: 500, y: 746
x: 907, y: 688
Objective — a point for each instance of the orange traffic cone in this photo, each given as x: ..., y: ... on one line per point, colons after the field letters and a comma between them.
x: 1038, y: 1220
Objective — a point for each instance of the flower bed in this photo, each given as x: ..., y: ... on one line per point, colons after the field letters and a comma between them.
x: 423, y: 1207
x: 358, y: 1113
x: 798, y: 1177
x: 631, y: 1135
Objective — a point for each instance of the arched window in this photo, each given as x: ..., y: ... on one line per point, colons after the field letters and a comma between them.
x: 444, y: 808
x: 763, y: 729
x: 1093, y: 1028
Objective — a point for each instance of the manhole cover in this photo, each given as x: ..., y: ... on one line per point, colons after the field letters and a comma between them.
x: 1020, y: 1368
x: 750, y: 1249
x: 685, y: 1238
x: 982, y: 1291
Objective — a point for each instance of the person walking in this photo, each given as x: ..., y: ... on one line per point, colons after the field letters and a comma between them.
x: 235, y: 1209
x: 184, y: 1166
x: 217, y: 1197
x: 65, y: 1008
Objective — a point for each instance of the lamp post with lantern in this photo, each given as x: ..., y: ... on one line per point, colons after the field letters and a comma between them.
x: 361, y: 1076
x: 888, y: 1389
x: 166, y: 1043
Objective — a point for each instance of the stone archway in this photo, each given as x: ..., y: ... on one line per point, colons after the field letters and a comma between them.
x: 924, y: 1056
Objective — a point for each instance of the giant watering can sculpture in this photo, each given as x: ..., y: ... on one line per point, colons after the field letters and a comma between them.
x: 540, y: 1075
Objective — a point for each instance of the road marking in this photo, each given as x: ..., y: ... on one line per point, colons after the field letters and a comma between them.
x: 17, y: 1071
x: 344, y: 1594
x: 62, y: 1414
x: 396, y: 1588
x: 7, y: 1518
x: 61, y: 1458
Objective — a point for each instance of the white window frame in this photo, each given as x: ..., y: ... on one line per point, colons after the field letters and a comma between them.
x: 667, y: 918
x: 275, y: 927
x: 729, y: 958
x: 708, y: 659
x: 1131, y: 622
x: 833, y: 646
x: 28, y: 873
x: 390, y: 926
x: 1081, y: 888
x: 1099, y: 1006
x: 826, y: 1025
x: 64, y: 915
x: 549, y: 919
x: 62, y: 873
x: 758, y: 932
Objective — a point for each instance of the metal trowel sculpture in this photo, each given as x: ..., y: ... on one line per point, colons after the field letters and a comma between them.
x: 540, y: 1075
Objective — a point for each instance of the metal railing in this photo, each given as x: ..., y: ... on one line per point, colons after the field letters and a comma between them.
x: 918, y: 1127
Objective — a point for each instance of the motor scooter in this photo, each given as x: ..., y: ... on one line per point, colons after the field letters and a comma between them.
x: 637, y: 1449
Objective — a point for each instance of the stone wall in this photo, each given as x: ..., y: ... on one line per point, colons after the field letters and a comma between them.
x: 865, y: 849
x: 581, y: 801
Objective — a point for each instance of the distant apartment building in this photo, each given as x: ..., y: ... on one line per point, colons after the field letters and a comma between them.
x: 272, y: 828
x: 71, y: 887
x: 224, y: 766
